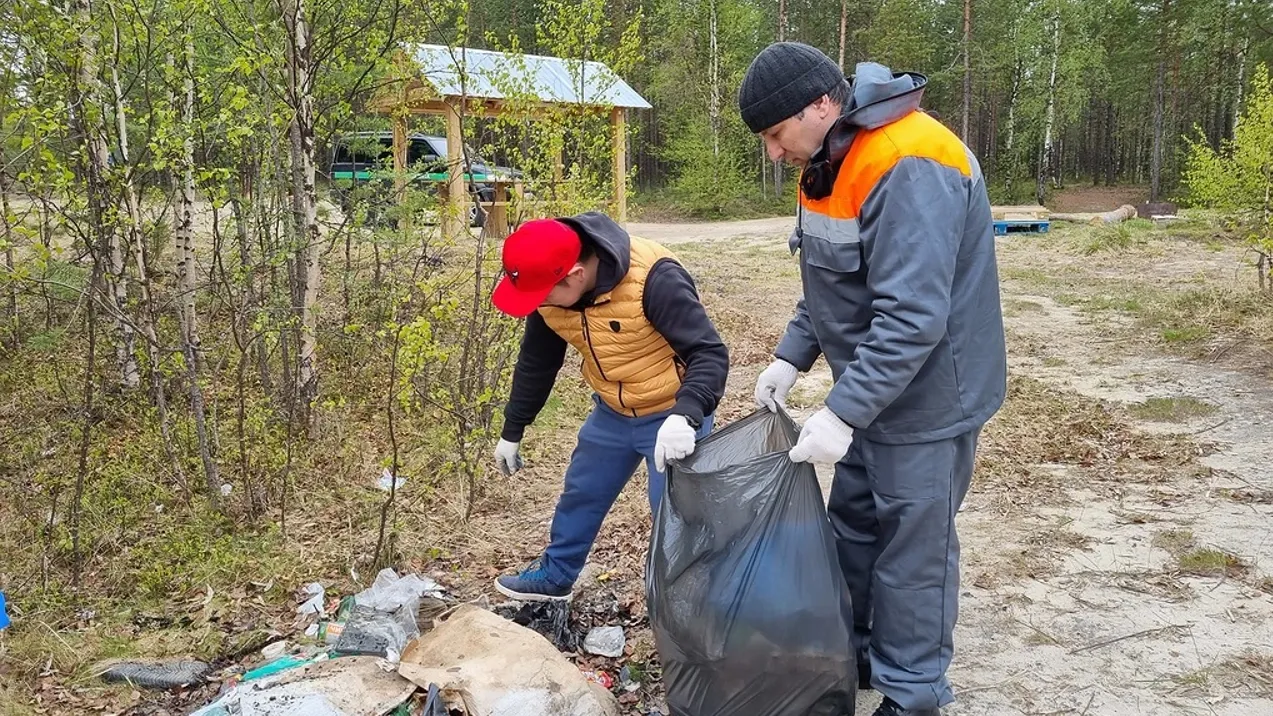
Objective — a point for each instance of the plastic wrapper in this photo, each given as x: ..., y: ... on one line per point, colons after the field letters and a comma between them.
x: 372, y: 632
x: 390, y: 591
x: 749, y: 609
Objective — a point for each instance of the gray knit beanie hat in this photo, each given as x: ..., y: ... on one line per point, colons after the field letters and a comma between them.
x: 784, y: 78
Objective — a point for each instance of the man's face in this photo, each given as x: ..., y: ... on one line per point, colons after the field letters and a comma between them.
x: 570, y: 289
x: 795, y: 139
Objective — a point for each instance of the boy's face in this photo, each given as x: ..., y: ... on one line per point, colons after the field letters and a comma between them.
x: 570, y: 289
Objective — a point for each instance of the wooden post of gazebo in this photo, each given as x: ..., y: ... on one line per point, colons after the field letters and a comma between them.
x: 456, y: 211
x: 438, y: 89
x: 399, y: 155
x: 619, y: 123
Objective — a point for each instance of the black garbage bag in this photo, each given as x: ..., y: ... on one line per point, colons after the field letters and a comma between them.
x: 750, y: 612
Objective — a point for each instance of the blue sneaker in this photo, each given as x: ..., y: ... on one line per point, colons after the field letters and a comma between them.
x: 532, y: 585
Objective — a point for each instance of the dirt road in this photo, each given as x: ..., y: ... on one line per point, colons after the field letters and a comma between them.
x: 714, y: 231
x: 1118, y: 534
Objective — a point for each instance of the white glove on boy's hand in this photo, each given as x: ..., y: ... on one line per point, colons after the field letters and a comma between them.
x: 675, y: 440
x: 774, y: 384
x: 508, y: 457
x: 824, y: 438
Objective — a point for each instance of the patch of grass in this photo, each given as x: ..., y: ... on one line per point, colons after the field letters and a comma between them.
x: 1265, y: 585
x: 807, y: 394
x: 1174, y: 541
x: 1184, y: 320
x: 1035, y: 638
x: 1028, y: 562
x: 1124, y: 300
x: 1070, y: 539
x: 1053, y: 362
x: 567, y: 406
x: 12, y: 704
x: 1249, y: 673
x: 1194, y: 679
x: 1116, y: 237
x: 1172, y: 410
x: 1209, y: 227
x: 1030, y: 276
x: 1186, y: 334
x: 1135, y: 518
x: 1040, y: 425
x: 672, y: 205
x: 1160, y: 585
x: 1198, y: 314
x: 1018, y: 306
x: 1247, y: 496
x: 1037, y: 556
x: 1211, y: 562
x: 751, y: 341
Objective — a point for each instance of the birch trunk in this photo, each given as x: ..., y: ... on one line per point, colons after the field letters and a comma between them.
x: 137, y: 245
x: 967, y: 108
x: 713, y: 108
x: 92, y: 120
x: 183, y: 236
x: 1241, y: 84
x: 782, y: 36
x: 184, y: 244
x: 844, y: 23
x: 304, y: 199
x: 132, y: 209
x: 1010, y: 143
x: 11, y: 315
x: 1046, y: 160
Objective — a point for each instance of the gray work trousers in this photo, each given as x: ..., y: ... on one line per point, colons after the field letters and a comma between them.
x: 892, y: 508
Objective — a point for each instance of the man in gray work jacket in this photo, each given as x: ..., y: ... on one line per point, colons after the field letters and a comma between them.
x: 901, y: 296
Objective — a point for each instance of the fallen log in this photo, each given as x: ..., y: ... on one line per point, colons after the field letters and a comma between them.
x: 1122, y: 213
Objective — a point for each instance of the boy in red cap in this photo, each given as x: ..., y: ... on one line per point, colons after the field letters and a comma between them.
x: 654, y: 360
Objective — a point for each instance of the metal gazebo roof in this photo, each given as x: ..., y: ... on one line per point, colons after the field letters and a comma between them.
x: 550, y: 79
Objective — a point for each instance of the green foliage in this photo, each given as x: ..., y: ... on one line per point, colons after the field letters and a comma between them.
x: 187, y: 553
x: 715, y: 159
x: 1238, y: 177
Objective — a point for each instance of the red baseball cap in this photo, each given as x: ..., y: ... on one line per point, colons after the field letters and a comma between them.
x: 536, y: 258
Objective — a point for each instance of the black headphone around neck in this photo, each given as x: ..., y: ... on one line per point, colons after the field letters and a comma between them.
x: 818, y: 178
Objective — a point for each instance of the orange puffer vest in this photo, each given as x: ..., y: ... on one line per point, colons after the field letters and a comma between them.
x: 628, y: 363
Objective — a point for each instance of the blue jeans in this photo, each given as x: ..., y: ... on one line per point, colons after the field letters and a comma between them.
x: 610, y: 448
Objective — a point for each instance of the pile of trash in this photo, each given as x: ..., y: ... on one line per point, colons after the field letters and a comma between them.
x: 401, y: 647
x: 746, y: 602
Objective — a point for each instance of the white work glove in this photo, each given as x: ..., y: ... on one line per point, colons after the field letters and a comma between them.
x: 675, y: 440
x: 508, y: 457
x: 774, y: 383
x: 824, y: 438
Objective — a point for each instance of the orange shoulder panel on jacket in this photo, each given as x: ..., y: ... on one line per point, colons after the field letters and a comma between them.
x: 876, y: 151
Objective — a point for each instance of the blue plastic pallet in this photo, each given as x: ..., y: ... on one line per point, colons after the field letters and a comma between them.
x: 1021, y: 226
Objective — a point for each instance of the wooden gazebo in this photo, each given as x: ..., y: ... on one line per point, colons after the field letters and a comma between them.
x: 450, y: 80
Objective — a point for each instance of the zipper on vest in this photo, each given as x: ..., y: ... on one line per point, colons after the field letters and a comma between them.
x: 633, y: 410
x: 587, y: 337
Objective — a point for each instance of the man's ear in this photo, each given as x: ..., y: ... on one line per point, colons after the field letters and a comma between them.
x: 824, y: 106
